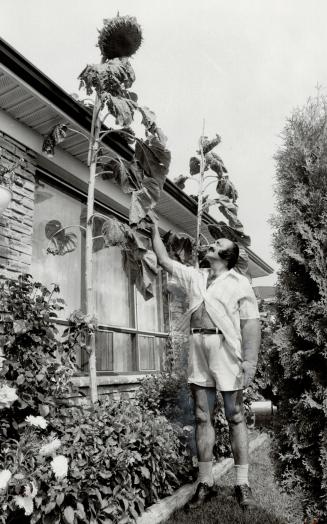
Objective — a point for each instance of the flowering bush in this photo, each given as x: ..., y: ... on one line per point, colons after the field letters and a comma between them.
x: 61, y: 464
x: 7, y: 396
x: 37, y: 365
x: 25, y: 462
x: 114, y: 460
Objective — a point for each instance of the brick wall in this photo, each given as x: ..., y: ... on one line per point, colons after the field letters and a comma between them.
x: 16, y: 222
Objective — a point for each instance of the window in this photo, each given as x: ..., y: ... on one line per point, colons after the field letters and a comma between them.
x: 131, y: 333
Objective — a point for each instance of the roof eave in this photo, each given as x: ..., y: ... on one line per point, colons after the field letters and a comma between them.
x: 25, y: 70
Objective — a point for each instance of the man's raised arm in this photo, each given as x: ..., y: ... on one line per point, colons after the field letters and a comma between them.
x: 159, y: 248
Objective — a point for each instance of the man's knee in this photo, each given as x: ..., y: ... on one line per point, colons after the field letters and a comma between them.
x: 235, y: 415
x: 202, y: 416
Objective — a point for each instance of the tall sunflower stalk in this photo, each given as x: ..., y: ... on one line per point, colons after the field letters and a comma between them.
x: 89, y: 302
x: 143, y: 177
x: 211, y: 170
x: 200, y: 201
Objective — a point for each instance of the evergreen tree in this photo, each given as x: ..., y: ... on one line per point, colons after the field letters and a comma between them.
x: 299, y: 357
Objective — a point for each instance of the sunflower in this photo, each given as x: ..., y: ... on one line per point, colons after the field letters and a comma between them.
x: 120, y: 37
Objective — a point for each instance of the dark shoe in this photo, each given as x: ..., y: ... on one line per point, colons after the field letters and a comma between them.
x: 202, y: 494
x: 244, y: 496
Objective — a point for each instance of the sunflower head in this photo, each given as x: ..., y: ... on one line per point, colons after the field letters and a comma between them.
x: 120, y: 37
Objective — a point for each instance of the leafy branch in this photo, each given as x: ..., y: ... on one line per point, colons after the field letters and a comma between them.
x: 208, y: 168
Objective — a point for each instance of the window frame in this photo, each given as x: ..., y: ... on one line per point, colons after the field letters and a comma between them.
x: 80, y: 195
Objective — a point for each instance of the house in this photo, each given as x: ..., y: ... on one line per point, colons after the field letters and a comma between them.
x: 132, y: 333
x: 265, y: 292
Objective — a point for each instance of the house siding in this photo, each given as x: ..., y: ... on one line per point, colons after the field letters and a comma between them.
x: 16, y: 231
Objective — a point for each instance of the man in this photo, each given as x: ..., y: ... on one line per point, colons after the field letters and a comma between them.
x: 223, y: 320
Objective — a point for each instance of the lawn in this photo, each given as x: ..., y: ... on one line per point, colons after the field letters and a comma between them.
x: 274, y: 506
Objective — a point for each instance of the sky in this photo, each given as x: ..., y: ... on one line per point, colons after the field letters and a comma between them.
x: 242, y: 66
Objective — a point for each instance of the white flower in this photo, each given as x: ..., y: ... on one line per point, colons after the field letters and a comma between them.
x: 25, y: 503
x: 30, y: 490
x: 38, y: 421
x: 7, y: 396
x: 50, y: 448
x: 5, y: 476
x: 60, y: 466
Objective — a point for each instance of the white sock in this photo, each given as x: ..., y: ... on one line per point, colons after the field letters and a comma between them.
x: 205, y: 473
x: 241, y: 474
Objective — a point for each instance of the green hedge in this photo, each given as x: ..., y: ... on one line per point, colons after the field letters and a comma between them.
x: 298, y: 359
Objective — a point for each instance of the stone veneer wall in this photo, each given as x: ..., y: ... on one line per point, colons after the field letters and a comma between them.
x: 16, y: 222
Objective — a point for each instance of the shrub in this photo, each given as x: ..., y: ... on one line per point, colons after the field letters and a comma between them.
x: 120, y: 459
x: 298, y: 360
x: 62, y: 464
x: 36, y: 361
x: 262, y: 386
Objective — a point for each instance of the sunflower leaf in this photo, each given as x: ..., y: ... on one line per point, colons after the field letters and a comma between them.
x: 233, y: 221
x: 140, y: 262
x: 117, y: 171
x: 121, y: 108
x: 180, y: 181
x: 144, y: 200
x: 57, y: 135
x: 227, y: 188
x: 207, y: 144
x: 154, y: 159
x: 194, y: 166
x: 180, y: 246
x: 214, y: 162
x: 112, y: 77
x: 148, y: 117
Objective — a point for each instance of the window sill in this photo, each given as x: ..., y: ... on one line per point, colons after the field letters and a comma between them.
x: 110, y: 380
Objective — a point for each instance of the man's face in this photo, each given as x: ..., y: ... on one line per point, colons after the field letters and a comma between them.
x: 212, y: 254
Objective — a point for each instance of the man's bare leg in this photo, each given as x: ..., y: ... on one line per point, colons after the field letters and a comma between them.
x: 204, y: 405
x: 234, y: 411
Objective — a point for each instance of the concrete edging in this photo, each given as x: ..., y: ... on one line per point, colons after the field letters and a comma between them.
x: 163, y: 509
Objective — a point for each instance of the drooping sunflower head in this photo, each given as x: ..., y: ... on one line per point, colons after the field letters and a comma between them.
x: 120, y: 37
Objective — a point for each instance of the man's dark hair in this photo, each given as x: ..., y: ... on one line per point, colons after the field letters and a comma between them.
x: 230, y: 255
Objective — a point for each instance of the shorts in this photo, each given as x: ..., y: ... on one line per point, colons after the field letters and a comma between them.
x: 213, y: 364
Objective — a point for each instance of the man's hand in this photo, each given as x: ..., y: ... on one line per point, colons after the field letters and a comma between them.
x: 249, y: 370
x: 154, y: 228
x: 160, y: 250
